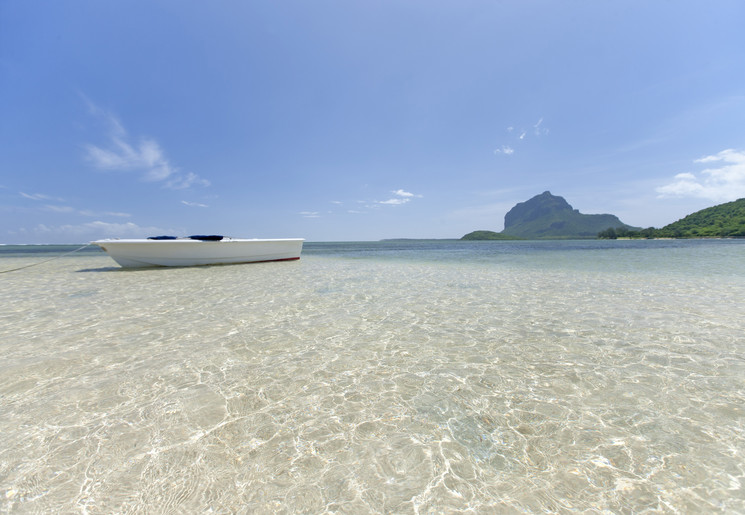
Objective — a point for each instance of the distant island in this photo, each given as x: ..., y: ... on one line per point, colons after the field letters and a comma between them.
x: 548, y: 216
x: 489, y: 235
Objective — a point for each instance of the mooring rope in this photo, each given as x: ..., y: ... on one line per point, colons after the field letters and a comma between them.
x: 46, y: 260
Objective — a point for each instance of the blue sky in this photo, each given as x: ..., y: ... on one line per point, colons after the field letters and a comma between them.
x: 337, y: 120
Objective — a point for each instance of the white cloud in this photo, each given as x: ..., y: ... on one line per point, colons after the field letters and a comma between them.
x: 709, y: 159
x: 506, y: 150
x: 401, y: 197
x: 720, y: 184
x: 193, y: 204
x: 729, y: 155
x: 395, y: 201
x: 310, y: 214
x: 146, y: 157
x: 402, y: 193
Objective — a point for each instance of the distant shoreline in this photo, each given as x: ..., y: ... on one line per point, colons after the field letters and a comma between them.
x: 419, y: 239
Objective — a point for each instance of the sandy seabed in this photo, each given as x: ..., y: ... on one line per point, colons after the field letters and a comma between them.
x: 555, y: 383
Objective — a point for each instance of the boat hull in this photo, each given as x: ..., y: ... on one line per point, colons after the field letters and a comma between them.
x: 138, y: 253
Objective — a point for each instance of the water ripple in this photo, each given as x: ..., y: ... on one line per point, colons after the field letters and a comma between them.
x: 372, y: 386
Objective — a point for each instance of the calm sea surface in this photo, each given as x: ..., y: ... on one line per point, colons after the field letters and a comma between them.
x: 388, y: 377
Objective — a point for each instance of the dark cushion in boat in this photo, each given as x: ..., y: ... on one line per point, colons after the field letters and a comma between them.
x: 212, y: 237
x: 162, y: 238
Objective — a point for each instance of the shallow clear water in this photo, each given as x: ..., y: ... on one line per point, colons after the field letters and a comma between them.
x: 391, y: 377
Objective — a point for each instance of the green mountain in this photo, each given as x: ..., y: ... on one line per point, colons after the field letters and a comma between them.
x: 722, y: 221
x: 551, y: 217
x: 548, y: 216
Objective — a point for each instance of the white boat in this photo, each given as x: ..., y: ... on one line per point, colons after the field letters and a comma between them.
x: 199, y: 250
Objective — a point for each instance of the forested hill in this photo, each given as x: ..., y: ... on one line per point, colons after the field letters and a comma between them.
x: 722, y: 221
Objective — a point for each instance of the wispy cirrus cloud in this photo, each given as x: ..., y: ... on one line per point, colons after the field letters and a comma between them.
x: 539, y: 129
x: 146, y: 156
x: 398, y: 198
x: 193, y: 204
x: 40, y: 196
x: 720, y: 183
x: 84, y: 212
x: 95, y: 214
x: 516, y: 137
x: 61, y: 208
x: 99, y: 229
